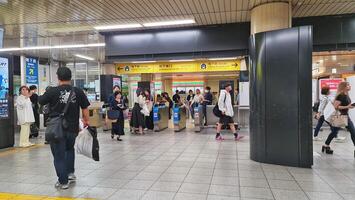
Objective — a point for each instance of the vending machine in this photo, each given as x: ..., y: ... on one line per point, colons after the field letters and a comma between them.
x: 7, y: 122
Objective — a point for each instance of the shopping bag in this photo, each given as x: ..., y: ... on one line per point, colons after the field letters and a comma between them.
x: 87, y: 144
x: 145, y: 110
x: 329, y: 111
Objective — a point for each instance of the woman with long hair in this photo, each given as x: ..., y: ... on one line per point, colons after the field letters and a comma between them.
x: 25, y: 115
x: 137, y: 119
x: 149, y: 125
x: 119, y: 105
x: 342, y: 103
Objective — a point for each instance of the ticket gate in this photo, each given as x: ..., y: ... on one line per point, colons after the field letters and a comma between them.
x: 180, y: 113
x: 198, y: 121
x: 160, y: 118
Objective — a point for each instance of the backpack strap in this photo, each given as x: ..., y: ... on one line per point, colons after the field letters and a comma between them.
x: 68, y: 102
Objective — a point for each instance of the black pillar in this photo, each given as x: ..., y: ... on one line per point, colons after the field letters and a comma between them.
x: 281, y: 97
x: 7, y: 122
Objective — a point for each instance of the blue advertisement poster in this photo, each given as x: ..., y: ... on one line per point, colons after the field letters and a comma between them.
x: 4, y: 87
x: 31, y: 71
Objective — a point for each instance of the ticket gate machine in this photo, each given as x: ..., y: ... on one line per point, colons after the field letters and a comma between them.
x: 160, y: 117
x: 198, y: 118
x: 179, y: 118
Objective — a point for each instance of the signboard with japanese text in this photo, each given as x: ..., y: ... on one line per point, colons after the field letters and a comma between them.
x: 31, y: 71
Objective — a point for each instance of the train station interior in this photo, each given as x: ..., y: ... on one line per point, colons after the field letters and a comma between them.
x: 177, y: 99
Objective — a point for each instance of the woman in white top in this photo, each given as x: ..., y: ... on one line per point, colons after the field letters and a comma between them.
x: 226, y: 108
x: 25, y: 116
x: 197, y: 100
x: 320, y: 114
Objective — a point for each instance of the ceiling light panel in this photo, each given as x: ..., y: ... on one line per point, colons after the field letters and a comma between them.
x: 170, y: 23
x: 118, y: 26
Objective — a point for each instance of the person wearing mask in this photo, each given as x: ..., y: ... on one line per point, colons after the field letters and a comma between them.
x: 111, y: 98
x: 342, y: 103
x: 149, y: 124
x: 25, y: 115
x: 196, y: 101
x: 118, y: 126
x: 320, y: 114
x: 236, y: 97
x: 63, y: 149
x: 226, y: 108
x: 137, y: 120
x: 176, y: 97
x: 207, y: 100
x: 35, y: 107
x: 166, y: 98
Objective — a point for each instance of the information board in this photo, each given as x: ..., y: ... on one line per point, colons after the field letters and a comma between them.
x: 4, y: 87
x: 31, y: 71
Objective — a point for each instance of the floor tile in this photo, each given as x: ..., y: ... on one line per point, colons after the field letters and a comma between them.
x: 323, y: 196
x: 187, y: 196
x: 155, y: 195
x: 283, y: 184
x: 253, y: 182
x: 253, y: 192
x: 98, y: 193
x: 219, y: 197
x: 289, y: 195
x: 224, y: 190
x: 198, y: 179
x: 166, y: 186
x: 138, y: 185
x: 194, y: 188
x: 221, y: 180
x: 127, y: 194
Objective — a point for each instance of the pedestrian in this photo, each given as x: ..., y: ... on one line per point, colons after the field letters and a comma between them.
x: 137, y: 119
x: 25, y: 115
x: 207, y: 100
x: 166, y: 98
x: 63, y: 149
x: 342, y: 103
x: 320, y: 114
x: 111, y: 98
x: 226, y: 108
x: 237, y: 96
x: 176, y: 97
x: 119, y: 105
x: 189, y: 99
x: 149, y: 124
x: 35, y: 108
x: 196, y: 101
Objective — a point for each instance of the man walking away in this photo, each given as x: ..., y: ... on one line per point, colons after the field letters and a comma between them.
x: 226, y: 107
x: 63, y: 149
x: 176, y: 97
x: 207, y: 101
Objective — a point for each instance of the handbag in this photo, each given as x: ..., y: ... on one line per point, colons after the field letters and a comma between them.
x: 113, y: 114
x: 58, y: 124
x: 338, y: 120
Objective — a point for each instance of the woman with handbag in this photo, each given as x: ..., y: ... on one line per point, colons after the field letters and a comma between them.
x: 25, y: 115
x: 137, y: 120
x: 342, y: 104
x: 118, y: 106
x: 149, y: 125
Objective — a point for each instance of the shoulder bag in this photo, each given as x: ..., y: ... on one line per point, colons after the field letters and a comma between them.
x: 216, y: 111
x: 57, y: 125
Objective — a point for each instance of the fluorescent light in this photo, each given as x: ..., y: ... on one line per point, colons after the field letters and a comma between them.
x: 147, y: 61
x: 334, y: 57
x: 228, y: 58
x: 169, y: 23
x: 119, y: 26
x: 185, y: 60
x: 334, y: 71
x: 84, y: 57
x: 53, y: 47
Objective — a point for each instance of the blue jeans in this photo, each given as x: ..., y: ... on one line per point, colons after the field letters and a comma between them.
x: 335, y: 130
x: 321, y: 120
x: 64, y: 156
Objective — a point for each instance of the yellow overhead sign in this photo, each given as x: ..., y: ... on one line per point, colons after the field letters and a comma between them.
x: 208, y: 66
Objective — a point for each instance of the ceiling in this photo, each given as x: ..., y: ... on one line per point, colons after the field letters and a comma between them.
x: 54, y: 22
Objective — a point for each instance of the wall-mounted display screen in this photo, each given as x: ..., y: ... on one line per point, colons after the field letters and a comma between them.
x: 4, y: 87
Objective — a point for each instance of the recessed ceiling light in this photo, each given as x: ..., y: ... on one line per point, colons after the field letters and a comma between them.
x: 118, y: 26
x: 169, y: 23
x: 321, y: 61
x: 185, y: 60
x: 71, y: 46
x: 227, y: 58
x: 334, y: 71
x: 334, y: 57
x: 84, y: 57
x: 146, y: 61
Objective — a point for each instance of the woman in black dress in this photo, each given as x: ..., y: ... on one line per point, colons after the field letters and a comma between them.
x: 137, y: 120
x: 118, y: 126
x: 149, y: 125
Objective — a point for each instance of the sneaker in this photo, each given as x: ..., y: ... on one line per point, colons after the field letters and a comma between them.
x: 317, y: 138
x: 61, y: 186
x: 71, y: 177
x: 239, y: 137
x: 339, y: 139
x: 219, y: 138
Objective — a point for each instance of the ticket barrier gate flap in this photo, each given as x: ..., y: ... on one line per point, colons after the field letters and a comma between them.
x: 198, y: 118
x: 160, y: 118
x: 179, y: 118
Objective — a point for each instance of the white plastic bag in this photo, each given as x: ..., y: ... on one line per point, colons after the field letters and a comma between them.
x: 145, y: 110
x: 329, y: 111
x: 84, y: 143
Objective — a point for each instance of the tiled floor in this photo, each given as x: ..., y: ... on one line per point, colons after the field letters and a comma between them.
x: 182, y: 166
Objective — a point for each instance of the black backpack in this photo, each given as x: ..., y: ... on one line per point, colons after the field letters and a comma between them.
x: 315, y: 107
x: 216, y: 110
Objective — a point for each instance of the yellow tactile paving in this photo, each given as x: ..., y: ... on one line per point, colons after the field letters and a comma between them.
x: 10, y: 196
x: 18, y: 149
